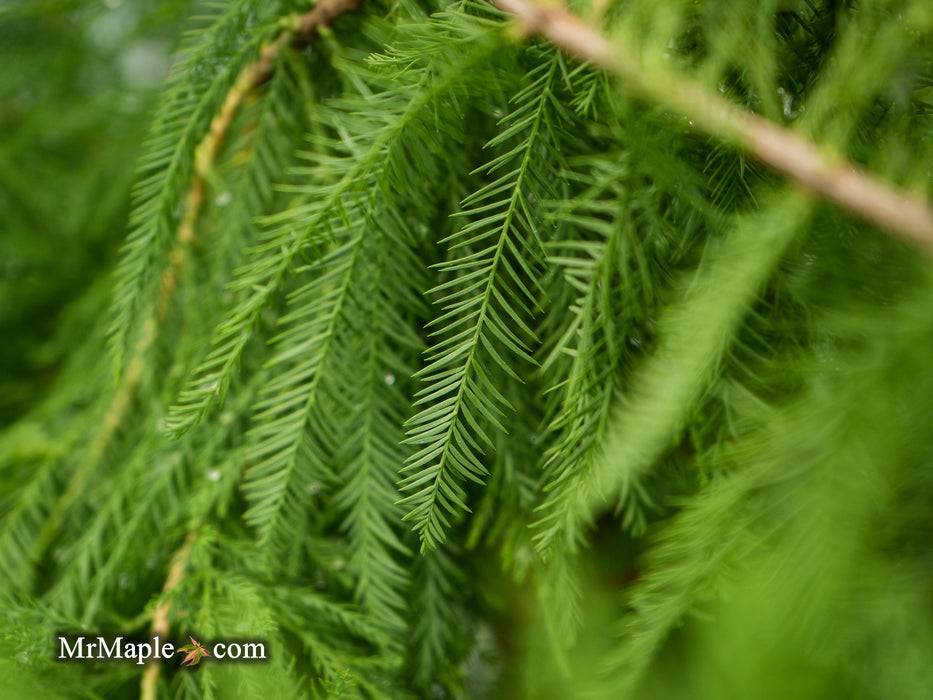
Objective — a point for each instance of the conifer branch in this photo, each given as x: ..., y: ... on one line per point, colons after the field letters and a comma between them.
x: 305, y: 28
x: 494, y: 307
x: 205, y: 154
x: 634, y: 346
x: 160, y: 623
x: 902, y: 213
x: 251, y: 77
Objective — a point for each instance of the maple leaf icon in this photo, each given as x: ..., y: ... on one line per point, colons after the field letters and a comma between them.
x: 194, y: 652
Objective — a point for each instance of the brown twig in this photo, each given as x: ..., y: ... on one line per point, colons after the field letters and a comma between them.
x: 160, y: 623
x: 872, y: 199
x: 308, y: 26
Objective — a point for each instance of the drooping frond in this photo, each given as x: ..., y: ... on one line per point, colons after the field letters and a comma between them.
x: 279, y: 124
x: 296, y: 436
x: 199, y: 83
x: 627, y: 231
x: 287, y: 465
x: 373, y: 377
x: 24, y: 511
x: 436, y: 608
x: 604, y: 265
x: 488, y: 305
x: 626, y: 236
x: 335, y: 179
x: 500, y: 519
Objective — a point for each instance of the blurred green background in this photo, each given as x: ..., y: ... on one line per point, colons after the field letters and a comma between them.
x: 77, y: 81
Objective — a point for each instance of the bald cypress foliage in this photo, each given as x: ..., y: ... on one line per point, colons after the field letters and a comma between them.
x: 448, y: 356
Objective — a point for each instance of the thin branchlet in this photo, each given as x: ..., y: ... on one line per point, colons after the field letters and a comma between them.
x: 900, y: 212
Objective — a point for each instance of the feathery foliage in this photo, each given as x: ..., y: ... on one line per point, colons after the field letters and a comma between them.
x: 444, y: 366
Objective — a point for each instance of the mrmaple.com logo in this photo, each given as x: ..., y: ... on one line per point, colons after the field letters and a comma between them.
x: 82, y: 648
